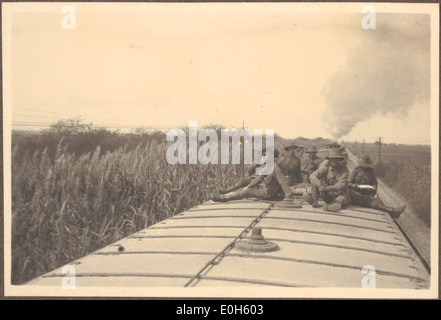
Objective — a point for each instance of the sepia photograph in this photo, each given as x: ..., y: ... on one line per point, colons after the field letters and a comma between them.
x: 221, y: 150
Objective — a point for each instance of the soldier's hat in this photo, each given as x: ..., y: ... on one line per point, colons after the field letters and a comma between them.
x: 291, y: 146
x: 311, y: 150
x: 333, y: 145
x: 335, y: 154
x: 365, y: 162
x: 342, y: 151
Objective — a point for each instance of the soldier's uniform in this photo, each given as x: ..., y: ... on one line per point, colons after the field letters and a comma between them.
x: 242, y: 183
x: 365, y: 175
x: 274, y: 186
x: 331, y: 180
x: 362, y: 175
x: 336, y: 177
x: 310, y: 164
x: 291, y: 166
x: 270, y: 187
x: 292, y: 169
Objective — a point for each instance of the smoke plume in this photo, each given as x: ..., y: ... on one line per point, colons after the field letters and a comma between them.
x: 387, y: 74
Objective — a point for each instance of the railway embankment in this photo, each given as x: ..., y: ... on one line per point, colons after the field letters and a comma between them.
x: 414, y: 226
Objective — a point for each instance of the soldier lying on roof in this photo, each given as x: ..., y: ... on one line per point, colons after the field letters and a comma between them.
x: 242, y: 183
x: 266, y: 187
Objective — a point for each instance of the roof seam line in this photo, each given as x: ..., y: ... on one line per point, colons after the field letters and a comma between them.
x: 229, y: 246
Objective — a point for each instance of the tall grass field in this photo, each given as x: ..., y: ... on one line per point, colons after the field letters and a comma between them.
x: 65, y: 206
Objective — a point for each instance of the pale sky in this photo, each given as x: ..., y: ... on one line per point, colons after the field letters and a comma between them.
x: 275, y: 68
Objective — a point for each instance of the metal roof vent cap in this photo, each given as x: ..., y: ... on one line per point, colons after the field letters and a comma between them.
x: 256, y: 243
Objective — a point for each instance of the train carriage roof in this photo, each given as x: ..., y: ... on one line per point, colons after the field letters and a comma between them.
x: 199, y: 247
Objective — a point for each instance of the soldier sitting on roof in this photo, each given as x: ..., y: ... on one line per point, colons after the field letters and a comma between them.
x: 310, y: 164
x: 266, y: 187
x: 363, y: 187
x: 330, y: 180
x: 291, y: 165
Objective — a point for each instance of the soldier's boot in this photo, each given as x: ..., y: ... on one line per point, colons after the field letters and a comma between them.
x: 395, y: 212
x: 228, y: 197
x: 315, y: 200
x: 308, y: 197
x: 335, y: 206
x: 312, y: 199
x: 315, y: 196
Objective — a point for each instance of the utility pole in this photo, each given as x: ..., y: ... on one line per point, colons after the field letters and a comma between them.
x: 362, y: 148
x: 379, y: 149
x: 243, y: 149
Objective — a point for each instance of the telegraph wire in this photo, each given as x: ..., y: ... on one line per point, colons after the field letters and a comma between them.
x: 48, y: 125
x: 52, y: 115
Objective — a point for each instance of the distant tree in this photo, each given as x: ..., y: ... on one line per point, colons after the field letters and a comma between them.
x: 69, y: 127
x: 141, y: 131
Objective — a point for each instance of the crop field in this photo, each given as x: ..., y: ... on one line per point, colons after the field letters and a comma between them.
x: 67, y: 208
x: 76, y: 191
x: 390, y: 152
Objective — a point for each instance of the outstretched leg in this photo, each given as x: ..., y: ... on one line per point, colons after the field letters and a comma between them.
x: 366, y: 201
x: 242, y: 183
x: 337, y: 204
x: 242, y: 194
x: 395, y: 212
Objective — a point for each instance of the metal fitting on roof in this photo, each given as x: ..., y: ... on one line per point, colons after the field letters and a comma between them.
x: 256, y: 243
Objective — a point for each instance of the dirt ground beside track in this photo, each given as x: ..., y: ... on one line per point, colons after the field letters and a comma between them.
x: 416, y: 229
